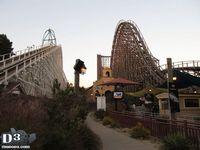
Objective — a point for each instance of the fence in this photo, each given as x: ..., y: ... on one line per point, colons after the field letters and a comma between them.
x: 160, y: 127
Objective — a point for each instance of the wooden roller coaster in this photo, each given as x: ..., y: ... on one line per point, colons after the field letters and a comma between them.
x: 131, y: 57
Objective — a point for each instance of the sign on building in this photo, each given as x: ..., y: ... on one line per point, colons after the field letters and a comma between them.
x: 118, y: 95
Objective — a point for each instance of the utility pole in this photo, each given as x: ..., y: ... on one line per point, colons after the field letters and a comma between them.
x: 76, y: 81
x: 169, y: 82
x: 173, y: 98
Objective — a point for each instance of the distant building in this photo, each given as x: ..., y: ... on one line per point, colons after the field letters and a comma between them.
x: 104, y: 74
x: 189, y: 103
x: 99, y: 89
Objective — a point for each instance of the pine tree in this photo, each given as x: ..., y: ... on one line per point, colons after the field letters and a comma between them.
x: 5, y: 45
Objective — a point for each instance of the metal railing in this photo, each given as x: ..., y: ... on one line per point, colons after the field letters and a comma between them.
x: 183, y: 64
x: 14, y: 64
x: 9, y: 59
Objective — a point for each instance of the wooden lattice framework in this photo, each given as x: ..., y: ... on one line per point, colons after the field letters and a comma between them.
x: 192, y: 67
x: 131, y: 58
x: 36, y: 67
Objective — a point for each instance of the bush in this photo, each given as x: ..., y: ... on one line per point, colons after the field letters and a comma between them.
x: 65, y: 127
x: 110, y: 121
x: 114, y: 124
x: 100, y: 114
x: 139, y: 131
x: 176, y: 142
x: 90, y: 140
x: 58, y: 122
x: 107, y: 121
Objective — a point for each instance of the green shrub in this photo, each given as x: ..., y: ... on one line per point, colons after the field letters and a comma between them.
x: 110, y: 121
x: 100, y: 114
x: 80, y: 112
x: 65, y: 127
x: 114, y: 124
x: 176, y: 142
x: 139, y: 131
x: 90, y: 140
x: 107, y: 121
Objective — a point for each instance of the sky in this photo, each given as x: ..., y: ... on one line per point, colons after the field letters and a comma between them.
x: 85, y: 28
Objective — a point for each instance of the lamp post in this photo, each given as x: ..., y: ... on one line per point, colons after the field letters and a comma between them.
x: 79, y: 67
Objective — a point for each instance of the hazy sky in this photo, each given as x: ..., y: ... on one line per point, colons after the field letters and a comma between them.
x: 86, y: 28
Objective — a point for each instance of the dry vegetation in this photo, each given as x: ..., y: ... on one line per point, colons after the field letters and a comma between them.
x: 58, y: 122
x: 22, y: 111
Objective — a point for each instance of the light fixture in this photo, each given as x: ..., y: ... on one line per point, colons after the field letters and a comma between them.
x: 83, y: 70
x: 80, y: 66
x: 174, y: 78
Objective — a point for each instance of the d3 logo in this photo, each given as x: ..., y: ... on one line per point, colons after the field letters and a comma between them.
x: 8, y: 138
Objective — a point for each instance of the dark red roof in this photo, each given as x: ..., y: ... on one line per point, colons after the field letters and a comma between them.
x: 120, y: 81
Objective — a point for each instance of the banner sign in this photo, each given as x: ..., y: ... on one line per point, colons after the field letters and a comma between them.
x: 118, y: 95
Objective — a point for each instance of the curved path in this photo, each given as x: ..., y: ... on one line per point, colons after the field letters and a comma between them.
x: 114, y: 140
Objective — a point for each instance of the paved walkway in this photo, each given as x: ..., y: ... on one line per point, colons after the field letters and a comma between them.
x: 114, y: 140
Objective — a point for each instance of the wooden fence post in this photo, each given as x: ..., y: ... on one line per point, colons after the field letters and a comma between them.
x: 186, y: 128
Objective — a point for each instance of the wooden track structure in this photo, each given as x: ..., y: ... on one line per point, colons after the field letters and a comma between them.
x: 192, y: 67
x: 131, y: 58
x: 35, y: 69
